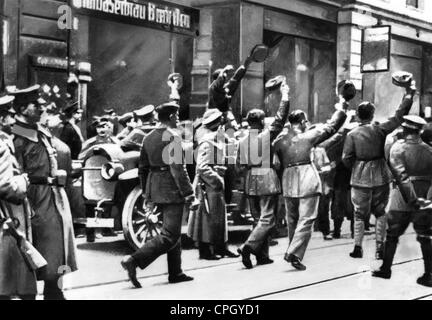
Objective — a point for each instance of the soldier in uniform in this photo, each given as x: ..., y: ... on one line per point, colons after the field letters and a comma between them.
x: 111, y: 115
x: 370, y: 178
x: 129, y: 123
x: 165, y: 183
x: 104, y: 136
x: 208, y: 226
x: 301, y: 183
x: 411, y: 165
x: 16, y: 278
x: 146, y: 123
x: 52, y: 224
x: 68, y: 130
x: 262, y: 185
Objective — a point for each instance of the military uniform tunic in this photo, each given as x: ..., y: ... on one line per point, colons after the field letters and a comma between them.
x: 364, y: 152
x: 262, y: 185
x: 411, y: 164
x: 165, y: 183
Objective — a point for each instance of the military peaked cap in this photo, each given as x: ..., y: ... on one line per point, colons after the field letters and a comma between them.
x: 211, y: 115
x: 144, y: 111
x: 28, y: 95
x: 6, y: 104
x: 413, y: 122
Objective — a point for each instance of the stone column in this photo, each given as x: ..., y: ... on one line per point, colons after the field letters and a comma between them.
x: 251, y: 34
x: 201, y: 65
x: 349, y: 36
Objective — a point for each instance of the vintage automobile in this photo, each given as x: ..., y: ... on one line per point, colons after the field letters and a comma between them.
x: 109, y: 180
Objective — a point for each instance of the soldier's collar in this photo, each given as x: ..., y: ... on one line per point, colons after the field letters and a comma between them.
x: 28, y: 131
x: 413, y: 138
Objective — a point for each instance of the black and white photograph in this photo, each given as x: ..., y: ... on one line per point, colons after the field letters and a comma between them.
x: 215, y: 155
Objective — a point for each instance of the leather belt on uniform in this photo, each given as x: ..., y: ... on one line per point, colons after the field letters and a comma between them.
x: 372, y: 159
x: 298, y: 164
x: 159, y: 169
x: 421, y: 178
x: 45, y: 181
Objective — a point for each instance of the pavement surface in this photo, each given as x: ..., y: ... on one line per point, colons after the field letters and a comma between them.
x: 331, y: 274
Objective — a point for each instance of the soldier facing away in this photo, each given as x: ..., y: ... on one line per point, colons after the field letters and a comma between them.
x: 262, y: 185
x: 411, y: 165
x: 370, y: 177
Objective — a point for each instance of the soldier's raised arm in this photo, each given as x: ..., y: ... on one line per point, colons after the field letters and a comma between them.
x: 282, y: 114
x: 324, y: 132
x: 404, y: 108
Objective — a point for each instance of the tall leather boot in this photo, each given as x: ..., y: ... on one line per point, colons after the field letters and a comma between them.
x: 206, y: 253
x: 426, y: 247
x: 52, y: 290
x: 389, y: 252
x: 359, y: 228
x: 337, y: 228
x: 380, y: 233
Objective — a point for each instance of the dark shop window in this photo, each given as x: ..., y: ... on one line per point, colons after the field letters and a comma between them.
x: 413, y: 3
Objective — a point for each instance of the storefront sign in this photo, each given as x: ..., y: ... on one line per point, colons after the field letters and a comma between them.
x: 376, y: 49
x: 154, y: 14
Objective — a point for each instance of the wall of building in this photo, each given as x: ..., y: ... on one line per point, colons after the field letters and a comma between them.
x: 411, y: 37
x: 33, y: 31
x: 228, y: 30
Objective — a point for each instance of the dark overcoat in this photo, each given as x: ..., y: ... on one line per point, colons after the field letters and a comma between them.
x: 16, y: 278
x: 210, y: 226
x: 52, y: 224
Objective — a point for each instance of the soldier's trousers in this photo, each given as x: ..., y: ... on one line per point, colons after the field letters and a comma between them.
x: 367, y: 201
x: 398, y: 222
x: 169, y: 241
x: 324, y: 213
x: 301, y: 215
x: 263, y: 210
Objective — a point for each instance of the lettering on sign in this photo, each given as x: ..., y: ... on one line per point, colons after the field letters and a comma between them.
x: 162, y: 14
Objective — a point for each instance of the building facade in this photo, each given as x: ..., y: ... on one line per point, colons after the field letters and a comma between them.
x: 314, y: 43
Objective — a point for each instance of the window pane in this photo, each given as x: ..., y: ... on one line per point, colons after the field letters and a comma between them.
x: 413, y: 3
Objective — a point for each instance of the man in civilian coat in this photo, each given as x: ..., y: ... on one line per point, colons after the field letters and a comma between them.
x: 69, y: 132
x: 208, y: 226
x: 16, y: 278
x: 301, y: 183
x: 371, y: 177
x: 53, y: 234
x: 165, y: 183
x: 262, y: 185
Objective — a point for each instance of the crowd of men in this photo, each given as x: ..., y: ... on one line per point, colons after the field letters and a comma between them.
x: 351, y: 166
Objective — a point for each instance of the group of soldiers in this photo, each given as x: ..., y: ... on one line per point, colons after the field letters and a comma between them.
x: 384, y: 169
